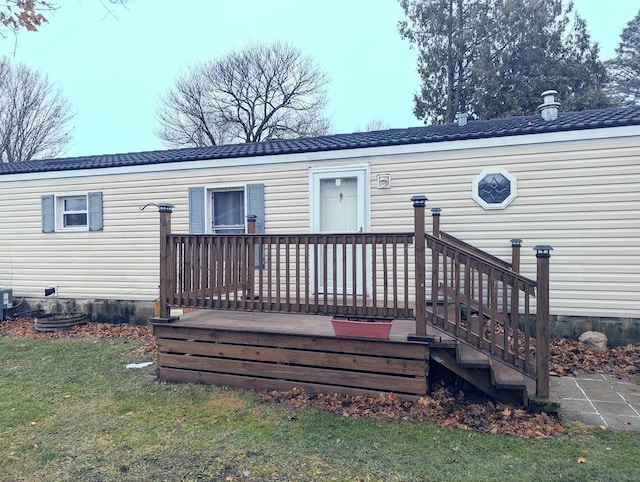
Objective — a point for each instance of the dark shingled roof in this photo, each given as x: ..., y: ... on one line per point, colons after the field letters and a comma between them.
x: 566, y: 121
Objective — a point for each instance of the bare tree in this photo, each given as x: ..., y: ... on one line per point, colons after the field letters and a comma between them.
x: 34, y: 116
x: 259, y: 93
x: 377, y: 125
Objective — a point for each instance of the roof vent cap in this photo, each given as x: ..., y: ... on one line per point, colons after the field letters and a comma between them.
x: 549, y: 108
x: 461, y: 119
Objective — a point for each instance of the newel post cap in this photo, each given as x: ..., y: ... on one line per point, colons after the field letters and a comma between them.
x: 252, y: 218
x: 436, y: 211
x: 165, y: 207
x: 543, y: 250
x: 419, y: 200
x: 516, y: 243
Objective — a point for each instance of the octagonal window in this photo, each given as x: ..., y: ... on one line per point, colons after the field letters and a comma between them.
x: 494, y: 188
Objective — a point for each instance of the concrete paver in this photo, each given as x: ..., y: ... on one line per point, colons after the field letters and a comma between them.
x: 598, y: 400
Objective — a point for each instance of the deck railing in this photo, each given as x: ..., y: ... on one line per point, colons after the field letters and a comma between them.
x: 480, y: 299
x: 354, y: 274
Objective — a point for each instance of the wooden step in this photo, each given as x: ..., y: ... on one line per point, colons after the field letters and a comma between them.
x: 504, y: 377
x: 469, y: 357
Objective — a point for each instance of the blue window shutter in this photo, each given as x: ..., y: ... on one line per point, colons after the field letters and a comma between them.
x: 255, y: 204
x: 197, y: 223
x: 94, y: 205
x: 48, y: 214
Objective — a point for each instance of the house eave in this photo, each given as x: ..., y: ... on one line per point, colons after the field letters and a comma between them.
x: 339, y: 154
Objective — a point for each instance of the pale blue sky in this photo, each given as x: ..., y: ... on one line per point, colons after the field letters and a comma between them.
x: 113, y: 70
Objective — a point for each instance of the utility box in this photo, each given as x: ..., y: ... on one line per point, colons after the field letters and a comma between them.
x: 6, y: 301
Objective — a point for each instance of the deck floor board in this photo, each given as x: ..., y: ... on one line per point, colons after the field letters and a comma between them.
x: 286, y: 323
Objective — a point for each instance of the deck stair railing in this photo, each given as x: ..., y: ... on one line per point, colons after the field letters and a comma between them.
x: 485, y: 302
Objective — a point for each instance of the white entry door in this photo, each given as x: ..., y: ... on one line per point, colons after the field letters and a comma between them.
x: 338, y: 205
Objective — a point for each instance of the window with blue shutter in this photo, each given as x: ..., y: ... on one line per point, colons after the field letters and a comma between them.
x: 78, y: 212
x: 227, y: 209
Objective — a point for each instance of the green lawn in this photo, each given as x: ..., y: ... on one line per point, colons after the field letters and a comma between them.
x: 69, y: 410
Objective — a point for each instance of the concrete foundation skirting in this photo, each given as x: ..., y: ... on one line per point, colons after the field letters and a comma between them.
x: 97, y: 310
x: 619, y: 331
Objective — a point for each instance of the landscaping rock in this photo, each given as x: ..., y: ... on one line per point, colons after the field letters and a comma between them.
x: 594, y: 339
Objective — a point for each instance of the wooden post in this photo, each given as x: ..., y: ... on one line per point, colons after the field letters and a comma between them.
x: 419, y: 233
x: 435, y: 264
x: 435, y: 215
x: 251, y: 260
x: 543, y: 253
x: 251, y: 223
x: 514, y: 309
x: 516, y: 243
x: 165, y: 210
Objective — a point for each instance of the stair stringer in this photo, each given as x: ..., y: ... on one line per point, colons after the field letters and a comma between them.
x: 494, y: 378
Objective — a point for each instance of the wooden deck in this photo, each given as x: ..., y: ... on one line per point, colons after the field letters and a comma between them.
x: 264, y: 303
x: 280, y: 351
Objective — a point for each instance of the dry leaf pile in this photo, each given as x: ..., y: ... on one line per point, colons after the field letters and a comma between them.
x: 445, y: 407
x: 569, y: 357
x: 25, y: 328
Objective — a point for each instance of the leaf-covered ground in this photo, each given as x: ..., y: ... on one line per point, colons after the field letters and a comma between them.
x: 569, y: 357
x: 452, y: 404
x: 25, y: 327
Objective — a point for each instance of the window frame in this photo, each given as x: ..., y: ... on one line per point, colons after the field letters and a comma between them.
x: 54, y: 211
x: 226, y: 228
x: 200, y: 218
x: 513, y: 186
x: 62, y: 212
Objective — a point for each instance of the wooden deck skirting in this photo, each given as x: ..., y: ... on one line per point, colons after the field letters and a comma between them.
x: 274, y: 351
x: 484, y: 302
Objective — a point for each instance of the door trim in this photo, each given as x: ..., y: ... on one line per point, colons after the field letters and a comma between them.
x: 362, y: 173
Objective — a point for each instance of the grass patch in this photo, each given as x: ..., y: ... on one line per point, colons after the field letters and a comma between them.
x: 69, y: 410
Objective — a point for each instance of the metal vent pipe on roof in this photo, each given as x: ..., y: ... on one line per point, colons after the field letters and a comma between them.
x: 549, y: 108
x: 461, y: 119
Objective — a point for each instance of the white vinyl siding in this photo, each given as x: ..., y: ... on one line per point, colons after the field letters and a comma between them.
x: 580, y: 196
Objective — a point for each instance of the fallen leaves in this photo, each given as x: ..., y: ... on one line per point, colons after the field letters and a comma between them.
x: 25, y: 328
x: 444, y: 407
x: 570, y: 357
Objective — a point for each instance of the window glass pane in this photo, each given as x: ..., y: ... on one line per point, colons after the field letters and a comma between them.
x: 75, y: 220
x: 75, y: 203
x: 228, y: 208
